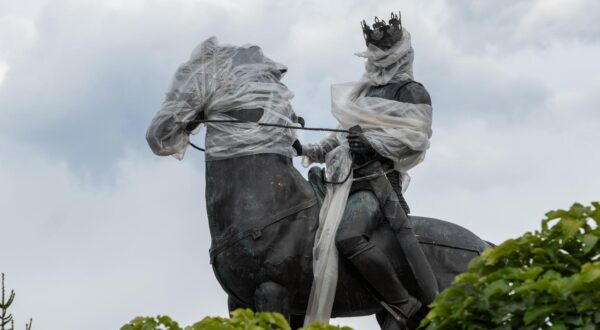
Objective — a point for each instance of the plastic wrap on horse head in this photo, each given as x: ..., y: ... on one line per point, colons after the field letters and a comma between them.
x: 220, y: 80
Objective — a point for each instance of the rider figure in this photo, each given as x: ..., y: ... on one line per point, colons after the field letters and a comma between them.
x: 380, y: 197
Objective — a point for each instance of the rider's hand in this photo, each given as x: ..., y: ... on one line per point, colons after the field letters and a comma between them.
x: 360, y: 147
x: 298, y: 147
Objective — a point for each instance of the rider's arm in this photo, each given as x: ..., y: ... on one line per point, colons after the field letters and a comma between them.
x: 315, y: 152
x: 414, y: 93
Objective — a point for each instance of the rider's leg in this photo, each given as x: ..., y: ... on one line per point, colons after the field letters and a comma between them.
x: 361, y: 216
x: 417, y: 260
x: 402, y: 227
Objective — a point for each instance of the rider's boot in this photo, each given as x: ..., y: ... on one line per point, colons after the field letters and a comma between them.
x: 417, y: 261
x: 377, y: 269
x: 402, y: 228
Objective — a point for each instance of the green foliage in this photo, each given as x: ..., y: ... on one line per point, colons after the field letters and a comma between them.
x: 241, y: 319
x: 151, y: 323
x: 321, y: 326
x: 548, y: 279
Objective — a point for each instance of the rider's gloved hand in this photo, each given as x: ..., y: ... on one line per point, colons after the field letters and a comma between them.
x: 298, y: 147
x: 361, y: 148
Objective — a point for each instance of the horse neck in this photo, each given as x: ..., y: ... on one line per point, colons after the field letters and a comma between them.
x: 248, y: 168
x: 242, y: 189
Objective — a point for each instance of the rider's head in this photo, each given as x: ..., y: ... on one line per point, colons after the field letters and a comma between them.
x: 383, y: 35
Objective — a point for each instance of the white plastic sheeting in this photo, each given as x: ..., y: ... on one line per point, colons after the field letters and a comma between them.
x: 397, y: 130
x: 391, y: 65
x: 216, y: 80
x: 325, y: 254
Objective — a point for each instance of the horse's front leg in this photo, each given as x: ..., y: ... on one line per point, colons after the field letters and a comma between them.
x: 233, y: 304
x: 272, y: 297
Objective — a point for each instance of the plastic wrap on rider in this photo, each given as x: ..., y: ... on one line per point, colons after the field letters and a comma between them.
x: 397, y: 130
x: 325, y: 261
x: 390, y: 65
x: 218, y: 79
x: 316, y: 152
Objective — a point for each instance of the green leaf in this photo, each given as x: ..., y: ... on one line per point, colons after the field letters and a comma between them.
x: 570, y: 226
x: 503, y: 250
x: 280, y: 321
x: 495, y: 288
x: 558, y: 326
x: 149, y: 326
x: 536, y: 312
x: 588, y: 326
x: 573, y: 320
x: 596, y: 213
x: 591, y: 272
x: 589, y: 241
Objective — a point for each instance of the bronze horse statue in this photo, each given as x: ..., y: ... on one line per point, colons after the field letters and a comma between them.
x: 263, y: 215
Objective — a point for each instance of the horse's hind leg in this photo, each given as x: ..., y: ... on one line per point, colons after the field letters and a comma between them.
x: 381, y: 318
x: 272, y: 297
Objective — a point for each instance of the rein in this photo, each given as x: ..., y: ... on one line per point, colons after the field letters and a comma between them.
x: 321, y: 129
x: 233, y: 121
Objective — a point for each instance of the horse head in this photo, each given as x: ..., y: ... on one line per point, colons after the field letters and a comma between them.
x: 221, y: 82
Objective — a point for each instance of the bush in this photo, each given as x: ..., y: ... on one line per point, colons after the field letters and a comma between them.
x: 241, y: 319
x: 541, y: 280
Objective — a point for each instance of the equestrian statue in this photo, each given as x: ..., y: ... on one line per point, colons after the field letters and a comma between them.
x: 276, y: 236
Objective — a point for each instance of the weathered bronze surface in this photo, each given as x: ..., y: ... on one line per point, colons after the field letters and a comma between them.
x: 263, y: 216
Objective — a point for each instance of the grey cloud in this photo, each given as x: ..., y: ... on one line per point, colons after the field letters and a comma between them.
x: 515, y: 129
x: 87, y: 257
x: 94, y: 77
x: 497, y: 26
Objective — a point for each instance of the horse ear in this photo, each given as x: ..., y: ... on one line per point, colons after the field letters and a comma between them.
x: 206, y: 48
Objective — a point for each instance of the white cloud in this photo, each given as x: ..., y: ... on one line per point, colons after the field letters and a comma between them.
x: 499, y: 182
x: 17, y: 35
x: 93, y: 257
x: 3, y: 70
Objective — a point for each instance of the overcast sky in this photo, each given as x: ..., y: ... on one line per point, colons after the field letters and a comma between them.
x: 95, y: 229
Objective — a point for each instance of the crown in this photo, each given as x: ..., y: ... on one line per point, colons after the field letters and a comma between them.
x: 383, y: 35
